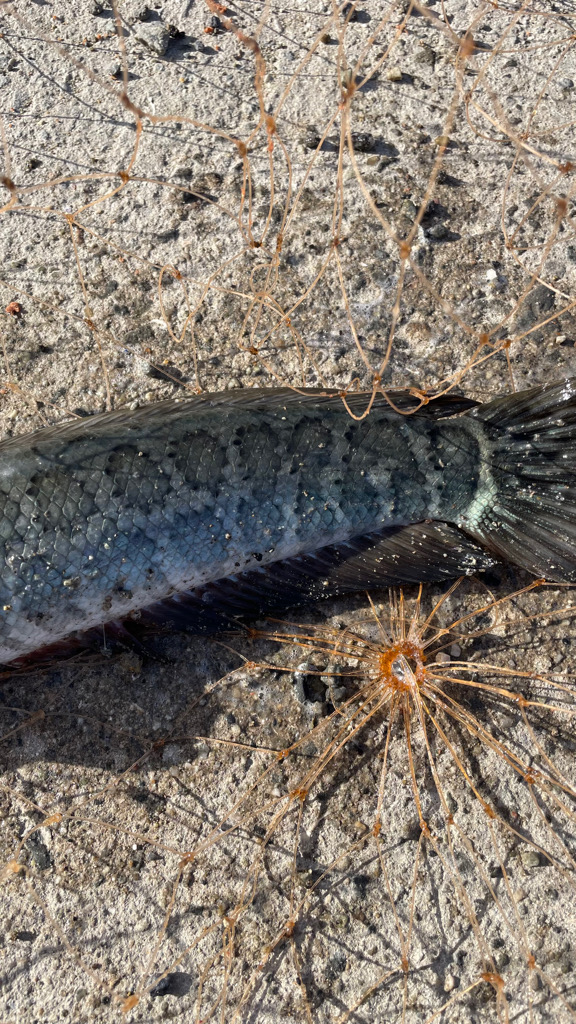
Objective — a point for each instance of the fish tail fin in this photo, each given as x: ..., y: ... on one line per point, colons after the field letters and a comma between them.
x: 528, y: 512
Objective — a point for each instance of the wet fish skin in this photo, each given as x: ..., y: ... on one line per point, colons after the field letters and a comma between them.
x: 106, y: 516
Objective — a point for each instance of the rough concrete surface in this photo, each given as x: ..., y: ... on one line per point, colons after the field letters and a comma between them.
x: 391, y: 202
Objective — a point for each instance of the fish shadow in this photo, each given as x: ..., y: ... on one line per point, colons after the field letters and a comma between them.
x: 109, y: 712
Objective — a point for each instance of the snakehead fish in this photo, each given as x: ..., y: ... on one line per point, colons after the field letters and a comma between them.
x: 249, y: 499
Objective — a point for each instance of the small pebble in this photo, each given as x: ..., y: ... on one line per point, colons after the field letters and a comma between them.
x: 21, y: 100
x: 311, y: 139
x: 161, y: 988
x: 426, y: 56
x: 394, y: 74
x: 154, y: 36
x: 39, y: 852
x: 350, y: 12
x: 409, y: 209
x: 530, y: 859
x: 362, y: 142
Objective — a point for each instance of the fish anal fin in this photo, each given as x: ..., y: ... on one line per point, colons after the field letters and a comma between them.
x: 420, y: 553
x: 424, y: 552
x: 412, y: 554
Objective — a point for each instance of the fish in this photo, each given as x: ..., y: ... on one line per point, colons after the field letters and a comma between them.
x: 226, y: 504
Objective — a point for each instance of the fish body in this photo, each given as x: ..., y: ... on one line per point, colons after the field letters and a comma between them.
x: 103, y: 518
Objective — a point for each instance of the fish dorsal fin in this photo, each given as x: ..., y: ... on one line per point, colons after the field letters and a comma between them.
x: 122, y: 423
x: 531, y: 411
x: 357, y: 401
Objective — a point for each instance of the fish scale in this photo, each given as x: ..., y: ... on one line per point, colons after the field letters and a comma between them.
x: 107, y: 516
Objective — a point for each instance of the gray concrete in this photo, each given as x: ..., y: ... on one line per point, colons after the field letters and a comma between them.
x: 101, y: 325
